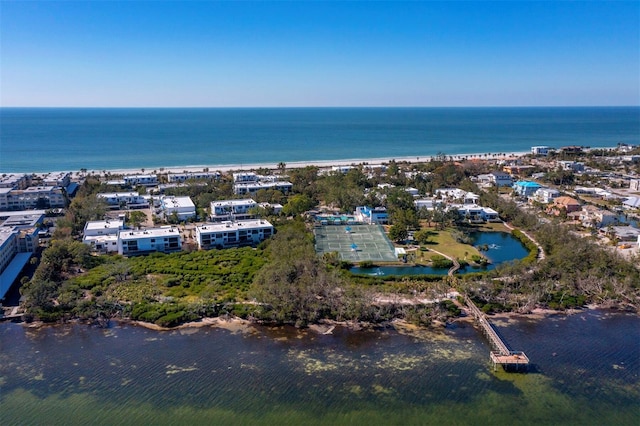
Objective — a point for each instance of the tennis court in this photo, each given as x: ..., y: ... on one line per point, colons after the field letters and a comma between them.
x: 355, y: 243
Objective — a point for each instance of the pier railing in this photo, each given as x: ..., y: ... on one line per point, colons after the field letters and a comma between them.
x: 501, y: 354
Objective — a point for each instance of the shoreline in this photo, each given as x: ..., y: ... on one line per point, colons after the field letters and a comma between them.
x: 224, y: 168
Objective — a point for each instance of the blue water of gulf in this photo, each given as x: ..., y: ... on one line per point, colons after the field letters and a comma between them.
x: 52, y: 139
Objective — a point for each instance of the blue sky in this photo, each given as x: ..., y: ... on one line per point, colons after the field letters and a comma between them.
x: 228, y: 54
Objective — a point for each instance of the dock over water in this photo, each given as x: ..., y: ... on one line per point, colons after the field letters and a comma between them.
x: 501, y: 353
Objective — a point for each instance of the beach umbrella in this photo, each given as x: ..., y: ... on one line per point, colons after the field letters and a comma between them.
x: 354, y: 247
x: 348, y: 229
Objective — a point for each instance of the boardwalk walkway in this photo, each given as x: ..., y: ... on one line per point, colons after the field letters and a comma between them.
x: 501, y: 354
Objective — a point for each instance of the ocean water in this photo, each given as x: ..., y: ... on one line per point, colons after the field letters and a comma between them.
x: 586, y: 372
x: 55, y: 139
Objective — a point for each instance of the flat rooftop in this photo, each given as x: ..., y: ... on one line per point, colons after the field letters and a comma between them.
x: 240, y: 202
x: 129, y: 234
x: 177, y: 202
x: 234, y: 226
x: 95, y: 225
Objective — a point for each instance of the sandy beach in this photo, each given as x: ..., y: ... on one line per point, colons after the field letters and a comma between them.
x: 225, y: 168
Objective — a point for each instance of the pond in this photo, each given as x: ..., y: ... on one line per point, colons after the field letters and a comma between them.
x: 501, y: 247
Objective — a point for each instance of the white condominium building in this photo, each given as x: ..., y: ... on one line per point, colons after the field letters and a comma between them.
x: 230, y: 234
x: 164, y: 239
x: 145, y: 180
x: 183, y: 207
x: 34, y: 197
x: 182, y: 177
x: 224, y: 210
x: 131, y: 200
x: 102, y: 235
x: 251, y: 188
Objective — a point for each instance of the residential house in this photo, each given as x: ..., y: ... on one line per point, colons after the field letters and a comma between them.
x: 474, y: 213
x: 564, y: 204
x: 634, y: 184
x: 545, y: 195
x: 593, y: 217
x: 572, y: 166
x: 518, y: 170
x: 498, y: 178
x: 526, y: 188
x: 622, y: 233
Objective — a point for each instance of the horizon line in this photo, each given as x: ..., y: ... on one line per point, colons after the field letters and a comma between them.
x: 315, y: 106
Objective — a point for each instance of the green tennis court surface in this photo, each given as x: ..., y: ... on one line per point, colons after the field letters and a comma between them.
x: 355, y: 243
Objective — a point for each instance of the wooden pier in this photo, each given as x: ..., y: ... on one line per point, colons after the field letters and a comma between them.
x: 501, y: 354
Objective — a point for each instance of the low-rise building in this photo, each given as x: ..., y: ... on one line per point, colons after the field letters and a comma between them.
x: 499, y: 178
x: 518, y: 170
x: 474, y: 213
x: 562, y: 205
x: 130, y: 200
x: 14, y: 181
x: 231, y: 234
x: 572, y: 166
x: 244, y: 177
x: 634, y: 184
x: 540, y: 150
x: 545, y: 195
x: 427, y: 203
x: 272, y: 208
x: 62, y: 179
x: 412, y: 191
x: 22, y: 219
x: 224, y: 210
x: 102, y: 235
x: 165, y: 239
x: 33, y: 197
x: 182, y: 207
x: 368, y: 215
x: 183, y: 177
x: 622, y: 233
x: 251, y: 188
x: 16, y: 248
x: 144, y: 180
x: 525, y: 188
x: 593, y: 217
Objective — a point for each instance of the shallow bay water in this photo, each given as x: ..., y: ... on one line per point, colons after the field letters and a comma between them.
x: 586, y: 371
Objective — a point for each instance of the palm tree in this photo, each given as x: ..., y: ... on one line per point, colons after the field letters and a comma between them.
x: 282, y: 167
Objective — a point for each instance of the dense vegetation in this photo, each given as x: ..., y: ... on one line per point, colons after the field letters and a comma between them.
x: 284, y: 281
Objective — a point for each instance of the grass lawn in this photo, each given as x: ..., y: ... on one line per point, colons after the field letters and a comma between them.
x: 443, y: 242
